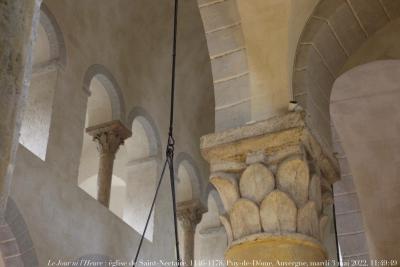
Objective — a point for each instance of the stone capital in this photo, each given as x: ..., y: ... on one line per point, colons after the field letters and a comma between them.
x: 269, y: 142
x: 109, y: 136
x: 273, y: 178
x: 190, y: 213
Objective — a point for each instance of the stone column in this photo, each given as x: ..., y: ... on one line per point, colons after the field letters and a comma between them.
x: 189, y: 214
x: 108, y: 137
x: 18, y: 20
x: 273, y: 179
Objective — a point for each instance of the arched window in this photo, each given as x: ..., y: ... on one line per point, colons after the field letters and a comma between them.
x: 188, y: 183
x: 16, y: 244
x: 104, y: 104
x: 48, y: 56
x: 136, y: 165
x: 210, y: 230
x: 142, y: 170
x: 184, y: 191
x: 187, y: 187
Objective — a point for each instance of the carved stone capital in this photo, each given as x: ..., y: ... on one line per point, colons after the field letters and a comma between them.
x: 109, y: 136
x: 189, y: 213
x: 271, y: 176
x: 269, y: 142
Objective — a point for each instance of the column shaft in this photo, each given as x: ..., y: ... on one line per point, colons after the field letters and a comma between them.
x: 105, y: 178
x: 18, y: 19
x: 108, y: 137
x: 189, y: 214
x: 188, y: 244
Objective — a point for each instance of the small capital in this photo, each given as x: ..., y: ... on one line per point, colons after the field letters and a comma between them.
x: 190, y: 213
x: 109, y: 136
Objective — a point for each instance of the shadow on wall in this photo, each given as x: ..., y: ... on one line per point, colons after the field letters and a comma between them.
x: 16, y: 245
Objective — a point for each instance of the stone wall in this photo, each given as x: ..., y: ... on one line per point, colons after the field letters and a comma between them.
x: 365, y: 113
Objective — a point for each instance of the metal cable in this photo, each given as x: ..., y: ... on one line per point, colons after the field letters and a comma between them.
x: 169, y: 153
x: 172, y: 179
x: 335, y: 226
x: 151, y: 210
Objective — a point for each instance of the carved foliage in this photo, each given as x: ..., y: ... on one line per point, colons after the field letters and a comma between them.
x: 323, y: 223
x: 291, y: 202
x: 245, y: 218
x: 108, y: 142
x: 278, y: 213
x: 227, y: 188
x: 228, y: 229
x: 307, y: 220
x: 293, y: 178
x: 315, y: 192
x: 256, y: 182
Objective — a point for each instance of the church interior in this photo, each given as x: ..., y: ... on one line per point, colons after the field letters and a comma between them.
x: 286, y: 133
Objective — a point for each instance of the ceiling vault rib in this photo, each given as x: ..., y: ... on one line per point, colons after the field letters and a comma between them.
x: 236, y: 76
x: 348, y: 212
x: 345, y: 194
x: 322, y: 58
x: 236, y: 24
x: 226, y: 53
x: 233, y: 104
x: 318, y: 108
x: 351, y: 233
x: 357, y: 18
x: 334, y: 33
x: 211, y: 3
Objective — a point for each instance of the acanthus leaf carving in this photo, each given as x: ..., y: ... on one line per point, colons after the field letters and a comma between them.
x: 227, y: 188
x: 278, y: 213
x: 256, y: 182
x: 245, y: 218
x: 293, y: 178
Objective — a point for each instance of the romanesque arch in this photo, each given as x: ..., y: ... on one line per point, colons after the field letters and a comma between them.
x: 105, y: 103
x: 107, y: 80
x: 49, y: 23
x: 329, y: 45
x: 142, y: 169
x: 49, y: 55
x: 16, y: 246
x: 365, y: 113
x: 189, y: 184
x: 222, y: 26
x: 149, y: 126
x: 210, y: 229
x: 335, y: 30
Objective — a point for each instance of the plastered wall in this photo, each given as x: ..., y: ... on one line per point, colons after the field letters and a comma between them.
x: 132, y: 39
